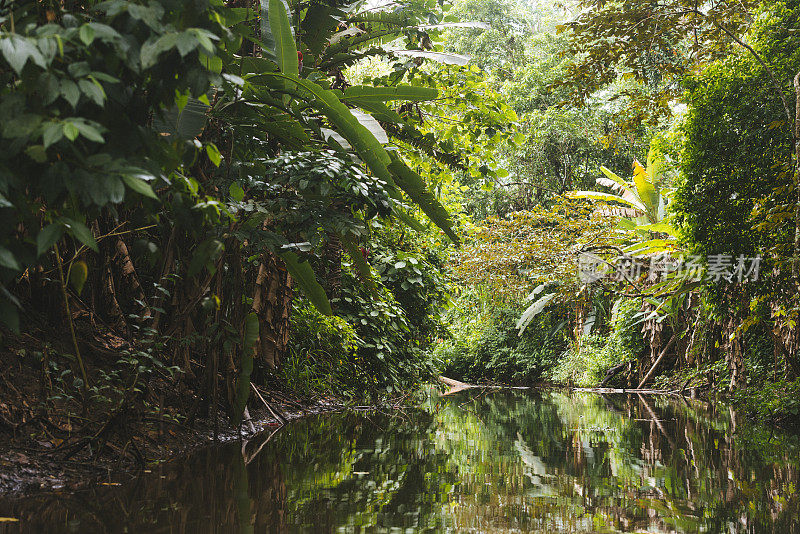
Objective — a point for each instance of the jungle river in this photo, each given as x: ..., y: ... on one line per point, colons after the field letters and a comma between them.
x: 478, y: 461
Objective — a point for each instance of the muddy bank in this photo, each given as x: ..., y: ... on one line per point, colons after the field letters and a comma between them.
x: 31, y: 464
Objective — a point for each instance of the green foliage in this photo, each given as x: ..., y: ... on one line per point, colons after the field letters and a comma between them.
x: 586, y: 361
x: 389, y: 344
x: 322, y: 357
x: 776, y: 402
x: 654, y: 44
x: 495, y: 351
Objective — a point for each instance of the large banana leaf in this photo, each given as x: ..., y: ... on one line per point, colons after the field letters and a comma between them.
x: 533, y: 310
x: 379, y: 110
x: 374, y: 127
x: 415, y: 187
x: 616, y: 182
x: 645, y: 190
x: 303, y: 274
x: 285, y: 50
x: 439, y: 57
x: 365, y: 145
x: 607, y: 197
x: 399, y: 92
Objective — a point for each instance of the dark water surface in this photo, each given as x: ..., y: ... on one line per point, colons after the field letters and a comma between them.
x: 493, y: 461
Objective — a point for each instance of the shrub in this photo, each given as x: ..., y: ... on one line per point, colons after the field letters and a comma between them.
x: 322, y: 355
x: 495, y: 350
x: 587, y: 362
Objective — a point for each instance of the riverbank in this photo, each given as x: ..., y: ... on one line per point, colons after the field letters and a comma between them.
x: 56, y: 434
x: 33, y: 460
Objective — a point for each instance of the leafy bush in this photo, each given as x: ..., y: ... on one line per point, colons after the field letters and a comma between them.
x: 587, y: 361
x: 773, y: 402
x: 497, y: 352
x: 322, y: 355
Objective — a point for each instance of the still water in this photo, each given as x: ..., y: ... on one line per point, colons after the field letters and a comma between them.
x: 476, y: 461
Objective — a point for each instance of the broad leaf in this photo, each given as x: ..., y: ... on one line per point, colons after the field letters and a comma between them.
x: 372, y: 125
x: 78, y: 274
x: 79, y: 231
x: 303, y: 274
x: 607, y: 197
x: 285, y: 49
x: 615, y: 182
x: 415, y: 187
x: 645, y: 189
x: 139, y: 185
x: 48, y: 236
x: 399, y: 92
x: 440, y: 57
x: 533, y: 310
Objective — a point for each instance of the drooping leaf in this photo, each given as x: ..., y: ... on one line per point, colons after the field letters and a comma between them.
x: 47, y: 237
x: 416, y: 188
x: 78, y: 273
x: 306, y: 280
x: 333, y: 136
x: 372, y: 125
x: 81, y: 232
x: 137, y: 184
x: 614, y: 181
x: 533, y: 310
x: 285, y: 49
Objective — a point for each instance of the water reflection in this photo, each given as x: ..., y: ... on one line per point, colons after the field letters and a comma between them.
x: 492, y: 461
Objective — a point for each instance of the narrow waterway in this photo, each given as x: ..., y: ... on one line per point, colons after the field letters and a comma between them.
x: 476, y: 461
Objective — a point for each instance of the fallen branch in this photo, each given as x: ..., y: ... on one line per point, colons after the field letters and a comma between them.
x: 671, y: 342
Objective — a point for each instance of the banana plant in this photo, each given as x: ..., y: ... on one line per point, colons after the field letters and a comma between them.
x: 640, y: 203
x: 348, y: 120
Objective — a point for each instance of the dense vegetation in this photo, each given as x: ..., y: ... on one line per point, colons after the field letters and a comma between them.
x: 198, y: 198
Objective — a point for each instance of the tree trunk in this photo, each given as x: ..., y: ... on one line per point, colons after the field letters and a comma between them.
x: 734, y: 356
x: 128, y: 281
x: 332, y: 256
x: 272, y: 302
x: 796, y: 135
